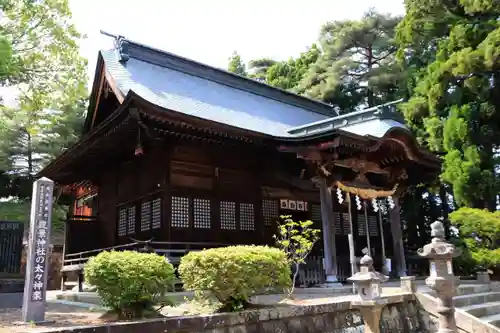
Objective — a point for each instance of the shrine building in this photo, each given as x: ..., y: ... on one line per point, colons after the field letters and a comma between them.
x: 186, y: 156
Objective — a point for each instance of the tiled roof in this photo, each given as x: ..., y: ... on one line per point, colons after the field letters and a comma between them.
x: 198, y: 90
x: 179, y: 91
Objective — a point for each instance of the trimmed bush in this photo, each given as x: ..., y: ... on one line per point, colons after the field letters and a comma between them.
x: 234, y: 274
x: 129, y: 282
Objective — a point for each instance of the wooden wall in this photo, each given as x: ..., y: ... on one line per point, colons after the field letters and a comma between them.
x: 210, y: 194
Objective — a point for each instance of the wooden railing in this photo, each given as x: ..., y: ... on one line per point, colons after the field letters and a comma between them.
x: 171, y: 250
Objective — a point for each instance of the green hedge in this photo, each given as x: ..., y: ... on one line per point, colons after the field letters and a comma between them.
x: 129, y: 282
x: 233, y: 274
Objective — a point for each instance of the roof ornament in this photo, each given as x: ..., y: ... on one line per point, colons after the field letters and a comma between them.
x: 120, y: 44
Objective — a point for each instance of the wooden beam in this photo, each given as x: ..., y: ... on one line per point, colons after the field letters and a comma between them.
x: 98, y: 99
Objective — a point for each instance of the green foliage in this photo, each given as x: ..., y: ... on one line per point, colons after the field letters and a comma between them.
x: 452, y: 51
x: 236, y: 65
x: 357, y: 66
x: 42, y: 63
x: 284, y: 74
x: 129, y: 282
x: 19, y: 211
x: 233, y: 274
x: 480, y: 232
x: 296, y: 239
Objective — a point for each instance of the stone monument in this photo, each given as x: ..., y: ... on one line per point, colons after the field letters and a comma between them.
x: 34, y: 298
x: 441, y: 277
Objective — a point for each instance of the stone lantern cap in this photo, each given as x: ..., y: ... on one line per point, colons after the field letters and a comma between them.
x: 438, y: 247
x: 367, y: 273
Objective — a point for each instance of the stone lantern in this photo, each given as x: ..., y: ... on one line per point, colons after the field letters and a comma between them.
x: 369, y: 302
x: 367, y: 281
x: 441, y: 278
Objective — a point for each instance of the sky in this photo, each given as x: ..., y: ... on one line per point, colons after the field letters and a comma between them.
x: 209, y: 31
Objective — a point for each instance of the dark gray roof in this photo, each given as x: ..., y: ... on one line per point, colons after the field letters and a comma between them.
x: 195, y: 89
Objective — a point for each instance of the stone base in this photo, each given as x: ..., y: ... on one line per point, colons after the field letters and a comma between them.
x: 332, y: 282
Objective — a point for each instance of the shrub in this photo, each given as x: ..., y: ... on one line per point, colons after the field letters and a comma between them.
x: 129, y: 282
x: 234, y: 274
x: 296, y: 239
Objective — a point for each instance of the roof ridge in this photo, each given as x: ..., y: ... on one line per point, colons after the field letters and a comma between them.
x: 130, y: 49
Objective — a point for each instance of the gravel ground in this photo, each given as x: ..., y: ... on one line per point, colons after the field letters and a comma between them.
x: 67, y: 315
x: 63, y: 315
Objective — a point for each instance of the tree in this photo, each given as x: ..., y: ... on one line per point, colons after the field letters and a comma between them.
x: 258, y: 68
x: 236, y: 65
x: 480, y: 231
x: 357, y: 66
x: 40, y: 43
x: 454, y: 106
x: 39, y: 57
x: 296, y: 239
x: 284, y: 74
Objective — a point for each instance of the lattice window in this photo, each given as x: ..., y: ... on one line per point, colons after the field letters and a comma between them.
x: 247, y: 217
x: 122, y: 222
x: 131, y: 220
x: 316, y: 213
x: 373, y: 225
x: 156, y: 214
x: 338, y: 224
x: 345, y: 223
x: 270, y: 212
x: 146, y: 216
x: 202, y: 212
x: 361, y: 224
x: 180, y: 212
x: 228, y: 215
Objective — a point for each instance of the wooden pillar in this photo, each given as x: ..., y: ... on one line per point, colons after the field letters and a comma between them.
x: 327, y: 219
x: 397, y: 239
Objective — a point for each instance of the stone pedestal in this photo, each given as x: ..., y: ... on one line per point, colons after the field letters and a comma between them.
x: 371, y: 313
x: 483, y: 277
x: 408, y: 284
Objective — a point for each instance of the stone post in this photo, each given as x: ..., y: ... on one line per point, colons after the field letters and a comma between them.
x: 483, y: 276
x: 35, y: 286
x: 408, y: 284
x: 441, y: 278
x: 369, y: 301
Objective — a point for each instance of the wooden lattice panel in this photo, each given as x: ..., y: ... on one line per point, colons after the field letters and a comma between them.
x: 247, y: 217
x: 202, y: 213
x: 270, y: 212
x: 345, y: 223
x: 122, y: 222
x: 156, y: 214
x: 228, y: 215
x: 373, y: 225
x: 131, y: 220
x: 146, y: 216
x: 316, y: 213
x: 180, y: 212
x: 361, y: 224
x: 338, y: 223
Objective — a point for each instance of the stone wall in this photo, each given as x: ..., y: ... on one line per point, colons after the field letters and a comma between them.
x: 55, y: 262
x: 335, y: 317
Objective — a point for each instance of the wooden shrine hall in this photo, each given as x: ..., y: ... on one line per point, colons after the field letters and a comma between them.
x: 179, y: 156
